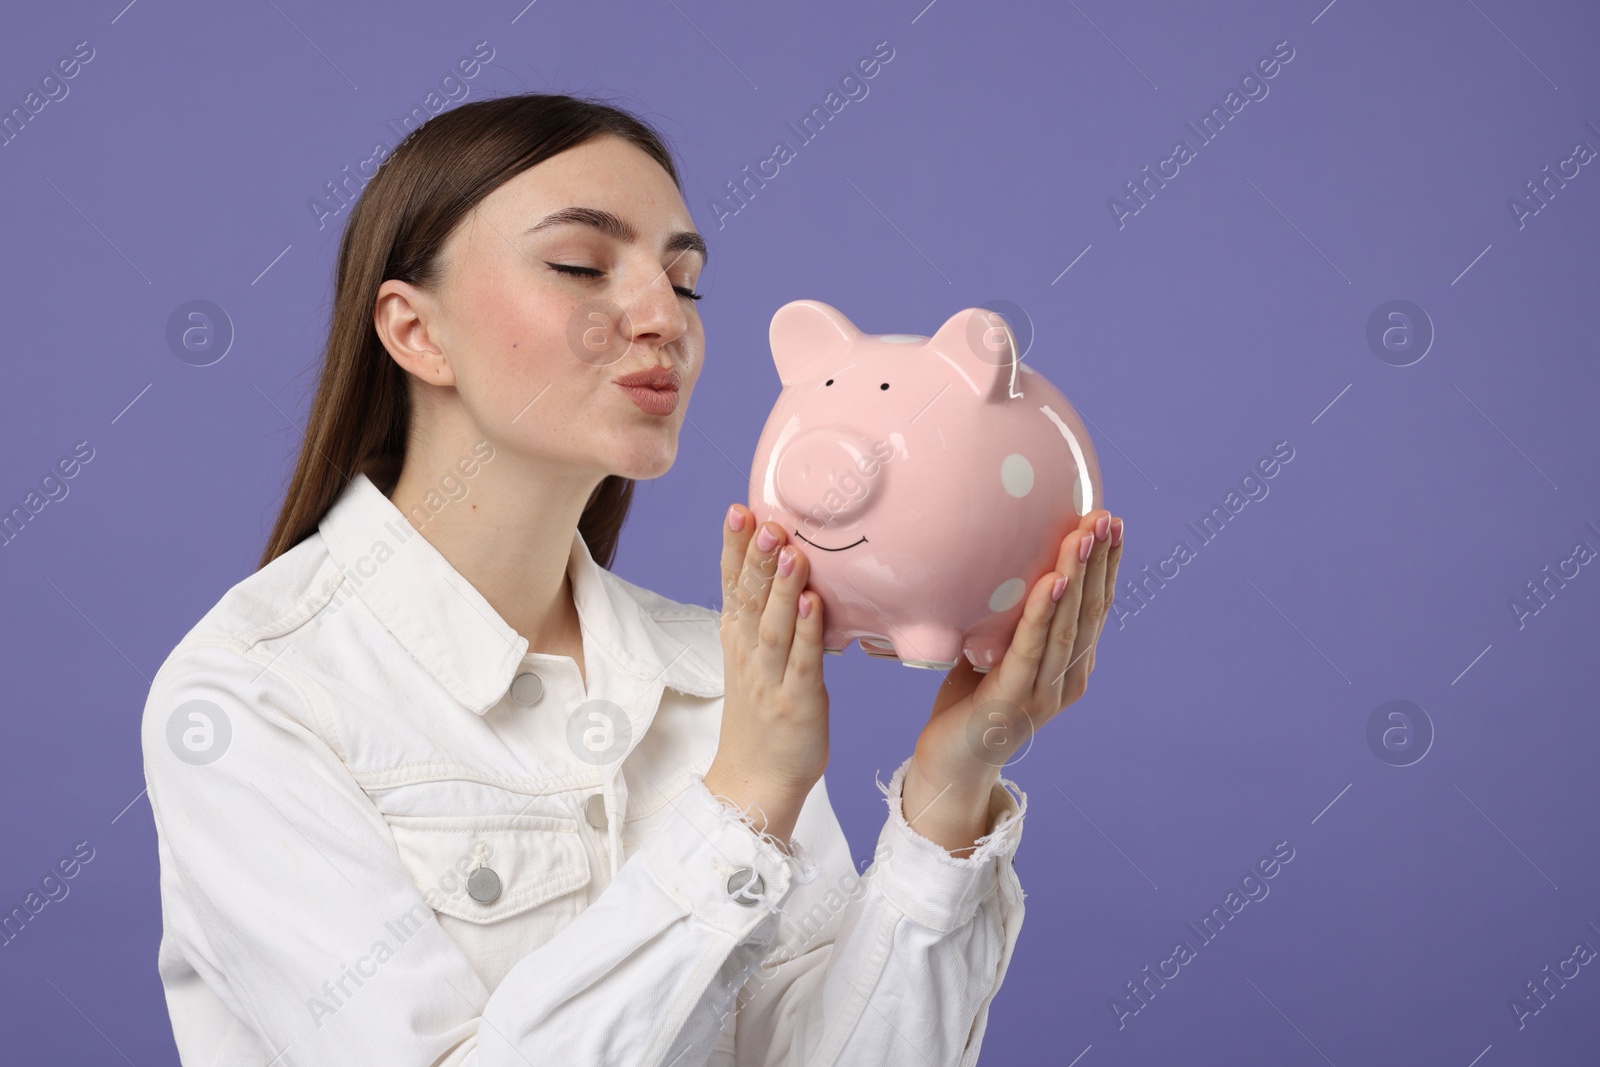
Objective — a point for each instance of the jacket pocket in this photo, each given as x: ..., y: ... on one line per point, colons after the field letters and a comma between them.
x: 538, y: 866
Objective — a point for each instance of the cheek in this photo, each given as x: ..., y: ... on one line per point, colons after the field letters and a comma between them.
x: 692, y: 352
x: 513, y: 351
x: 519, y: 365
x: 512, y: 323
x: 689, y: 370
x: 529, y: 337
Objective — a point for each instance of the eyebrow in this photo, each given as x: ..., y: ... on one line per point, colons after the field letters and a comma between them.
x: 612, y: 226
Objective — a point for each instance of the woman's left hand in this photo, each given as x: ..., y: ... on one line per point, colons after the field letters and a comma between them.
x: 981, y: 719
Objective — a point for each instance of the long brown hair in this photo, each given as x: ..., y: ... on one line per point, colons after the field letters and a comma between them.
x: 361, y: 416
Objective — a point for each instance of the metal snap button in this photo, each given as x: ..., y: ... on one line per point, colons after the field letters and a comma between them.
x: 527, y: 688
x: 483, y: 885
x: 745, y: 885
x: 595, y: 811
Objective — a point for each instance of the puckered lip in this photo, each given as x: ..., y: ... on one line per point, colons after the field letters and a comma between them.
x: 652, y: 378
x: 824, y: 548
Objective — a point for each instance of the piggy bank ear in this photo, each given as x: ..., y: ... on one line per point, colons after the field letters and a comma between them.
x: 806, y: 335
x: 981, y: 343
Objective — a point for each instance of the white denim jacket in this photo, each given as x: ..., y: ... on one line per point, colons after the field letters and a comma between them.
x: 389, y: 834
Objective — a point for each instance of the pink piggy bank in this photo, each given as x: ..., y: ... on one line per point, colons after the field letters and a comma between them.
x: 928, y: 480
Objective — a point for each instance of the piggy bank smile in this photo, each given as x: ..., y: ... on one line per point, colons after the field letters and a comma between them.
x: 859, y: 541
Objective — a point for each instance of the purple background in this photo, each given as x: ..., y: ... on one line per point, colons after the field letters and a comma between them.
x: 1228, y: 315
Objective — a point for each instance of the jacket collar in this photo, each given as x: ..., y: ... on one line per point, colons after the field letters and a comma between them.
x: 450, y: 629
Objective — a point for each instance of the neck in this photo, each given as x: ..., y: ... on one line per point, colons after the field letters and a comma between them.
x: 506, y: 527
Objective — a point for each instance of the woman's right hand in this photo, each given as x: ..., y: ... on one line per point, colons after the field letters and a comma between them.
x: 774, y: 741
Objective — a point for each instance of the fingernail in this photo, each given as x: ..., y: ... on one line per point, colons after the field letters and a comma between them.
x: 1102, y: 527
x: 785, y: 561
x: 765, y: 539
x: 805, y: 607
x: 1058, y: 588
x: 735, y: 519
x: 1085, y: 547
x: 1116, y: 533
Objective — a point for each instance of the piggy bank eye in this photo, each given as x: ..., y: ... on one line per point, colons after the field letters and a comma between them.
x: 828, y: 382
x: 885, y: 385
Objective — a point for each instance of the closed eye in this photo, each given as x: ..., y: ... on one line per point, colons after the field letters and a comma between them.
x: 593, y: 272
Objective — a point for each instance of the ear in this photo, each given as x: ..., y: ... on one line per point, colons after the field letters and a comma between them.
x: 806, y: 334
x: 981, y: 343
x: 400, y: 316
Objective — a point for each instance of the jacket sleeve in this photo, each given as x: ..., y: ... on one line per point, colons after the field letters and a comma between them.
x: 896, y: 967
x: 283, y: 890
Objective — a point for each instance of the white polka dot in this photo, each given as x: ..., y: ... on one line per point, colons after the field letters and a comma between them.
x: 1016, y: 474
x: 1006, y: 594
x: 901, y: 338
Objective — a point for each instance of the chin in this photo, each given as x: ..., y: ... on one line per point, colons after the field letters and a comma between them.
x: 649, y: 461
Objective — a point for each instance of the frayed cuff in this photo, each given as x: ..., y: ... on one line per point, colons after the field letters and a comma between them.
x: 711, y: 859
x: 1007, y: 806
x: 931, y: 886
x: 791, y: 852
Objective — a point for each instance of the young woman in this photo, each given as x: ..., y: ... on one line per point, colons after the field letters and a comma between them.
x: 433, y: 786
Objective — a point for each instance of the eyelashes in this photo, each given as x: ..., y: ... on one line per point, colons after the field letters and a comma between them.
x: 592, y: 272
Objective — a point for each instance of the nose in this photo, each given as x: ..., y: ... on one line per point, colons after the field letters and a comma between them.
x: 654, y: 313
x: 828, y: 476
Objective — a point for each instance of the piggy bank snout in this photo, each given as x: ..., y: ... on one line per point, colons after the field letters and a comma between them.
x: 828, y: 476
